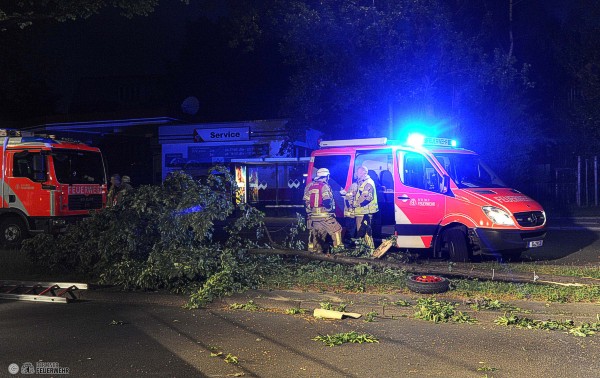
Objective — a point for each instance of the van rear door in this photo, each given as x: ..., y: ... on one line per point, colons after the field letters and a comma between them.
x: 340, y: 175
x: 419, y: 203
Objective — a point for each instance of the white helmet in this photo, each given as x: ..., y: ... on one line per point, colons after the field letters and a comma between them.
x: 322, y: 172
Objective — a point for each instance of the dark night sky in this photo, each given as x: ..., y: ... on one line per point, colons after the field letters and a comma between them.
x: 109, y: 45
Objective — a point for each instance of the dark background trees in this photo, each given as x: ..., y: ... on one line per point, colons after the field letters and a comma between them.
x: 512, y: 78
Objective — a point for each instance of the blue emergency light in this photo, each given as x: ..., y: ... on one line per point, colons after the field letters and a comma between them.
x: 416, y: 140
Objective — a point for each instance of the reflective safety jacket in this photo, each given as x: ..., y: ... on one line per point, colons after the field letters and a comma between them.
x: 365, y: 199
x: 349, y: 201
x: 318, y: 199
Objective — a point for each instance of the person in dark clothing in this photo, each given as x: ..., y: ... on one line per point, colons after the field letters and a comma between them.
x: 111, y: 198
x: 124, y: 189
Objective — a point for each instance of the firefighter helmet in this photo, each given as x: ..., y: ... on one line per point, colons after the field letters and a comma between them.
x: 322, y: 172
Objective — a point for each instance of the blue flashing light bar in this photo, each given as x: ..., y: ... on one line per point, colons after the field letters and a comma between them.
x: 416, y: 140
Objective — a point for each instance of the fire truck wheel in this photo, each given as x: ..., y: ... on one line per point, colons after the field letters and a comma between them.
x: 456, y: 242
x: 427, y: 284
x: 12, y: 232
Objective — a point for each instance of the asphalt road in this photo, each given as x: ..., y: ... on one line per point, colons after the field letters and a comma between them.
x: 154, y: 336
x: 569, y: 241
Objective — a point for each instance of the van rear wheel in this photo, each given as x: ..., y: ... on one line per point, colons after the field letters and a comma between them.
x: 456, y: 244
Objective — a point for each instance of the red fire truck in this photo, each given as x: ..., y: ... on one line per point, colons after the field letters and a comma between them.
x: 46, y: 182
x: 435, y: 196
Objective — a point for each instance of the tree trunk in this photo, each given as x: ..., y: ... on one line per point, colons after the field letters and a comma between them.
x: 462, y: 270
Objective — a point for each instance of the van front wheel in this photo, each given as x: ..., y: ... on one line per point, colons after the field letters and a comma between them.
x: 456, y: 244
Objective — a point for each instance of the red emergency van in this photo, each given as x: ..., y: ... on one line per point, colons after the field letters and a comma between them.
x: 436, y: 196
x: 46, y: 182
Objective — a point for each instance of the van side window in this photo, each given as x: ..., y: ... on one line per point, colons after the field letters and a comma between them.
x: 379, y: 163
x: 23, y: 165
x: 338, y: 166
x: 419, y: 173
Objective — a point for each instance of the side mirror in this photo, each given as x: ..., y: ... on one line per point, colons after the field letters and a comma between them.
x: 39, y: 168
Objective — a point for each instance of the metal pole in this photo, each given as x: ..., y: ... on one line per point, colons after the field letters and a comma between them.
x: 578, y: 194
x: 277, y: 186
x: 556, y: 184
x: 587, y: 187
x: 595, y: 180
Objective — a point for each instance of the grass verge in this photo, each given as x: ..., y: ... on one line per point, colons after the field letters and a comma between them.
x: 323, y: 276
x: 540, y: 268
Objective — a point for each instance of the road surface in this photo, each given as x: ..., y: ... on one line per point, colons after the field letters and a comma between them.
x: 129, y: 334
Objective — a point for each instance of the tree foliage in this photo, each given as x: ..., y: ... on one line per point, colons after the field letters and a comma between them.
x: 164, y: 237
x: 577, y: 52
x: 23, y: 13
x: 367, y: 68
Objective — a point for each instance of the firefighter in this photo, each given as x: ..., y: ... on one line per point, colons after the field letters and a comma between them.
x: 365, y: 205
x: 123, y: 189
x: 111, y: 198
x: 349, y: 215
x: 320, y: 206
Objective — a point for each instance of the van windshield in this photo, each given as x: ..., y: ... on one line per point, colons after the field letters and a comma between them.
x: 469, y: 171
x: 78, y: 167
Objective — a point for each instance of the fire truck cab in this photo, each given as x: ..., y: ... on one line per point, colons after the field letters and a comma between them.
x: 435, y: 197
x: 46, y: 182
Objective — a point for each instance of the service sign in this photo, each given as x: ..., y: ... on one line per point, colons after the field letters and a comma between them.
x: 222, y: 135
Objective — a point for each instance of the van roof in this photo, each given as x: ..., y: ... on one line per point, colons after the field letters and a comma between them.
x: 350, y: 145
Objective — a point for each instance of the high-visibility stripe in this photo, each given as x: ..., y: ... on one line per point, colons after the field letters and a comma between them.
x: 404, y: 241
x: 52, y: 210
x: 16, y: 204
x: 412, y: 235
x: 314, y: 194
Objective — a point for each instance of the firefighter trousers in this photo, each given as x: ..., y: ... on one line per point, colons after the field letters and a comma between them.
x: 319, y: 228
x: 364, y: 229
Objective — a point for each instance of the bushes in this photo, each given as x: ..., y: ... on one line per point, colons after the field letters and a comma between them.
x: 163, y: 237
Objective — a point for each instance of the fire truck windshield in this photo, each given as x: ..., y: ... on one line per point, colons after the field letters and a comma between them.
x: 78, y: 167
x: 468, y: 171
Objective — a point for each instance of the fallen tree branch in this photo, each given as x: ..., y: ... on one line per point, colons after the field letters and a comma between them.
x: 428, y: 268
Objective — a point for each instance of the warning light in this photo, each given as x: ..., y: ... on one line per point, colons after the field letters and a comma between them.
x: 416, y: 140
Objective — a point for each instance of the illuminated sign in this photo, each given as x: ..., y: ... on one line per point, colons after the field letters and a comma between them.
x: 222, y: 135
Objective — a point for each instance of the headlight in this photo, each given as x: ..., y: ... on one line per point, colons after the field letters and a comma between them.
x: 498, y: 216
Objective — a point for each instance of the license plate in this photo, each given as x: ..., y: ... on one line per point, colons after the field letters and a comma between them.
x: 535, y: 243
